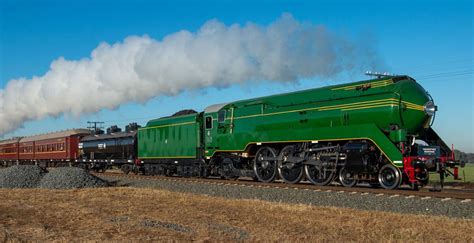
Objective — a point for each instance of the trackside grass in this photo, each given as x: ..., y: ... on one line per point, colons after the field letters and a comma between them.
x: 141, y: 214
x: 466, y: 174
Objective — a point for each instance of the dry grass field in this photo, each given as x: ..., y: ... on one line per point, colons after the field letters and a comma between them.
x: 148, y: 214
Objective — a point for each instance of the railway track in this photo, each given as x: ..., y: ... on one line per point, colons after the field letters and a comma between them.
x: 467, y: 195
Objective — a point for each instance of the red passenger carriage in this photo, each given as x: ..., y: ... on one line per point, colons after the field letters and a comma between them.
x: 9, y: 149
x: 26, y: 151
x: 54, y: 146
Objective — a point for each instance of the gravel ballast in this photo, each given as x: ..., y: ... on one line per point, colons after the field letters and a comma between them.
x: 33, y: 176
x: 21, y: 176
x: 70, y: 178
x: 400, y: 204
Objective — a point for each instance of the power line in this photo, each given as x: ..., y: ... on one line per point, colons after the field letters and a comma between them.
x: 447, y: 74
x: 93, y: 125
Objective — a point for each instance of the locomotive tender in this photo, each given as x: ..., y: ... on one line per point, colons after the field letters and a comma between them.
x: 377, y: 131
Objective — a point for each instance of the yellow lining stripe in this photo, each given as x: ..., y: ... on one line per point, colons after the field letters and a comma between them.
x: 384, y: 83
x: 356, y: 85
x: 374, y: 85
x: 169, y: 125
x: 359, y: 105
x: 415, y: 108
x: 367, y: 104
x: 51, y: 152
x: 293, y: 141
x: 177, y: 157
x: 355, y: 103
x: 309, y: 109
x: 366, y: 107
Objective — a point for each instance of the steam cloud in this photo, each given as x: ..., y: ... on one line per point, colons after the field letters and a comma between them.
x: 140, y: 68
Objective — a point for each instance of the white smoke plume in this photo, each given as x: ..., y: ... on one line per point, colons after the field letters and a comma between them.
x: 140, y: 68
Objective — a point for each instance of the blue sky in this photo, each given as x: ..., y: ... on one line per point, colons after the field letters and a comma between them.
x: 428, y: 40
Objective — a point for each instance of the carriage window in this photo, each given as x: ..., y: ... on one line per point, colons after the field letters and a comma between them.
x: 221, y: 116
x: 208, y: 122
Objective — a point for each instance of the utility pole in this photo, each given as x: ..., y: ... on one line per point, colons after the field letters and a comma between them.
x: 92, y: 125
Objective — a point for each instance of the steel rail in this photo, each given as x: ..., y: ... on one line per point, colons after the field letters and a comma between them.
x: 464, y: 194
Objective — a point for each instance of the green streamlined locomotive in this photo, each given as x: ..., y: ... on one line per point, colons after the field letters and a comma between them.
x: 375, y: 131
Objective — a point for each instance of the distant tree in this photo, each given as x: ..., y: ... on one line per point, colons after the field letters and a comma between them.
x: 467, y: 157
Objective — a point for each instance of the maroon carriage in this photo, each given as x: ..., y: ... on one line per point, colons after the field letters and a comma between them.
x: 9, y: 149
x: 55, y: 146
x: 26, y: 151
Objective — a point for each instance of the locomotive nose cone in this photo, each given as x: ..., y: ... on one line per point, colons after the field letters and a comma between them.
x: 430, y: 108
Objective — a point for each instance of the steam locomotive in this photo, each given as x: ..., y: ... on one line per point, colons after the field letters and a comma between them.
x: 374, y: 131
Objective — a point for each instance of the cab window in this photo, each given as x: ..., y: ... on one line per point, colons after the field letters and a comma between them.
x: 208, y: 122
x: 221, y: 116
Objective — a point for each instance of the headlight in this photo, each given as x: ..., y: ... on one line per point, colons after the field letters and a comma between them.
x: 430, y: 108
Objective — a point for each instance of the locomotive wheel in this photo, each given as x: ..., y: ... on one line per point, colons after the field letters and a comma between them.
x: 320, y: 175
x: 344, y: 178
x: 423, y: 176
x: 264, y: 168
x: 290, y: 172
x: 390, y: 177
